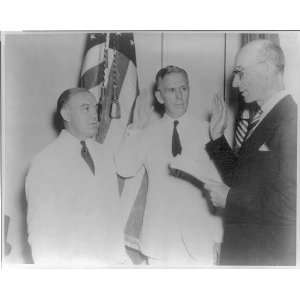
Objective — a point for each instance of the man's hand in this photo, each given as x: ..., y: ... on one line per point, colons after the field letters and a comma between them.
x: 218, y: 193
x: 216, y: 252
x: 144, y: 110
x: 218, y: 119
x: 174, y: 172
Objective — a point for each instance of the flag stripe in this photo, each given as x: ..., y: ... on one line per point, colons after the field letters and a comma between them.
x: 92, y: 57
x: 122, y: 62
x: 95, y: 39
x: 129, y: 92
x: 131, y: 115
x: 93, y: 77
x: 124, y: 43
x: 135, y: 219
x: 105, y: 111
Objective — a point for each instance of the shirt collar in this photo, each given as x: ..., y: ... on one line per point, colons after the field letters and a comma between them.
x: 181, y: 119
x: 72, y: 140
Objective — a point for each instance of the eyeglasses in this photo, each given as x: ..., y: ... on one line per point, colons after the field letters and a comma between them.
x: 240, y: 71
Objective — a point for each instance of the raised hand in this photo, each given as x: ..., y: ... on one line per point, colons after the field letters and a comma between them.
x: 218, y: 121
x: 143, y: 110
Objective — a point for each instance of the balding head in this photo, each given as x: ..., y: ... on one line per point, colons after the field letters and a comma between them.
x: 78, y: 108
x: 66, y: 95
x: 259, y: 70
x: 264, y: 51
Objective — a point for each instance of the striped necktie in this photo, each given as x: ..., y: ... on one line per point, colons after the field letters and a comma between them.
x: 85, y: 154
x: 254, y: 121
x: 242, y: 129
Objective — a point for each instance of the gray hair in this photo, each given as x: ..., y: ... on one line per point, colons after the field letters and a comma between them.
x: 272, y: 53
x: 168, y: 70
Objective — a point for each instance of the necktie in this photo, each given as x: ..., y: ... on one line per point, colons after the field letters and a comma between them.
x: 247, y: 121
x: 176, y: 145
x: 87, y: 156
x: 241, y: 129
x: 254, y: 121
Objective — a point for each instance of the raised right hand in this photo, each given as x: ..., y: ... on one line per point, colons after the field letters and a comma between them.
x: 218, y: 121
x: 143, y: 110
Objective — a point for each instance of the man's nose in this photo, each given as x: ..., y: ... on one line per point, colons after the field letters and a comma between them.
x: 94, y: 114
x: 236, y: 81
x: 178, y: 94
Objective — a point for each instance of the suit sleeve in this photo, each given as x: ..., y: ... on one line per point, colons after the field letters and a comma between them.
x: 223, y: 157
x: 283, y: 179
x: 40, y: 195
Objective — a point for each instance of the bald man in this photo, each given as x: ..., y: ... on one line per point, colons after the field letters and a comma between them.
x: 72, y: 193
x: 260, y: 196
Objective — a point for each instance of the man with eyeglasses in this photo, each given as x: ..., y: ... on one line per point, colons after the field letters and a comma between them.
x: 260, y: 195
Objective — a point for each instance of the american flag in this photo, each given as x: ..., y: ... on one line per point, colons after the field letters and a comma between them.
x: 98, y: 70
x: 109, y: 60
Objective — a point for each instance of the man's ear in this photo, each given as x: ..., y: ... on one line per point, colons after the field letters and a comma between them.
x: 159, y: 97
x: 65, y: 113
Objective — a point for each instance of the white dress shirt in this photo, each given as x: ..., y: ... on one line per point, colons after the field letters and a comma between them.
x: 178, y: 228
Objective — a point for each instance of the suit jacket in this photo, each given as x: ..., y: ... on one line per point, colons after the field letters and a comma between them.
x: 178, y: 228
x: 73, y: 215
x: 260, y: 212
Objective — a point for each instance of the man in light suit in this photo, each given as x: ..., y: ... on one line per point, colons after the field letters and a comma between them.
x: 178, y: 228
x: 74, y: 213
x: 260, y: 196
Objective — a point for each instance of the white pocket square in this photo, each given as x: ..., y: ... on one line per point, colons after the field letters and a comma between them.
x: 264, y: 147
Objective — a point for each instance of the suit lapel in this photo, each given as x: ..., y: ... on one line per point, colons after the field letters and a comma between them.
x: 267, y: 126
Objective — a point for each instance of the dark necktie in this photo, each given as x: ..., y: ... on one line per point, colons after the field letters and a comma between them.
x: 176, y: 145
x: 87, y: 156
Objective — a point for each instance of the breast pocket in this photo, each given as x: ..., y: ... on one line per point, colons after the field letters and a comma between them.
x: 267, y: 163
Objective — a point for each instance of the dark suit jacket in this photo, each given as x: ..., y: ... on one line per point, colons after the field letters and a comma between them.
x: 260, y: 212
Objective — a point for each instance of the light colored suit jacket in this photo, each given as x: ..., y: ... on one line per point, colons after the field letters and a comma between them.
x: 178, y: 227
x: 73, y: 215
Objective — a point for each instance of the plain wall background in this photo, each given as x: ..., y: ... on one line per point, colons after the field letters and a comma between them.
x: 38, y: 67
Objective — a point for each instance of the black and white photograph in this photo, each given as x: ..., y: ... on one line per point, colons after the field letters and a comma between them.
x: 150, y: 149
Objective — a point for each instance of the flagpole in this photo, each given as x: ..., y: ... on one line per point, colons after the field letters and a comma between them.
x: 162, y: 50
x: 224, y: 75
x: 102, y: 56
x: 106, y: 46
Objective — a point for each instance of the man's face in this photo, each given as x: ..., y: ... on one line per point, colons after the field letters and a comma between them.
x: 250, y: 77
x: 81, y: 115
x: 174, y: 94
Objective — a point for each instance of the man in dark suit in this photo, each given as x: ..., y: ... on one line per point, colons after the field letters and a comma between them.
x: 260, y: 196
